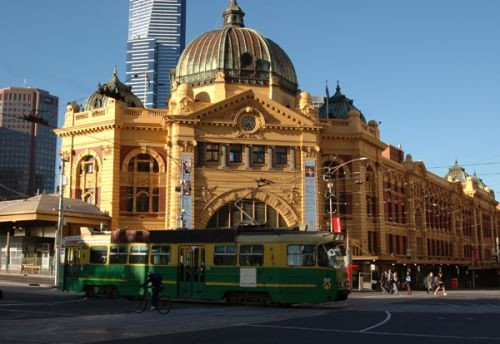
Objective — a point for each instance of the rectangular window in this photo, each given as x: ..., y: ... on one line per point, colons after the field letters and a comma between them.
x: 98, y: 254
x: 142, y: 200
x: 225, y: 255
x: 143, y: 166
x: 156, y: 193
x: 160, y: 255
x: 118, y: 255
x: 235, y: 153
x: 130, y: 199
x: 251, y: 255
x: 280, y: 155
x: 258, y: 155
x: 211, y: 152
x: 138, y: 255
x: 301, y: 255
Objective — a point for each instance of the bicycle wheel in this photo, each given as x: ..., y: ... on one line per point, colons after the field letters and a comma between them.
x: 164, y: 305
x: 140, y: 304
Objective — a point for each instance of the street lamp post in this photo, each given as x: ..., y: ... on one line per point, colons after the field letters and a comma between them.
x: 60, y: 223
x: 327, y: 177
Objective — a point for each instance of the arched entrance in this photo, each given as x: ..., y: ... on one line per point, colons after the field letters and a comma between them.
x: 230, y: 215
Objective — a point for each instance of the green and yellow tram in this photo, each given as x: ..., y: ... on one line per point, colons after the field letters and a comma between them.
x: 269, y: 266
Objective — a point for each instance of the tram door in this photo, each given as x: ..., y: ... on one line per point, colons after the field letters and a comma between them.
x: 71, y: 267
x: 191, y: 271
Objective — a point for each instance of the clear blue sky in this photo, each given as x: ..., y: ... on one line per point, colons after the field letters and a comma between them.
x: 428, y: 70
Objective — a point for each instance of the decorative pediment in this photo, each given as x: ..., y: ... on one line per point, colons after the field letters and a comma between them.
x: 250, y: 112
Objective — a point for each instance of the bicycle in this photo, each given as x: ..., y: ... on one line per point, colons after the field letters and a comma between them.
x: 143, y: 300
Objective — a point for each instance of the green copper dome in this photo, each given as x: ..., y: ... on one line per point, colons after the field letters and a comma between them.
x: 112, y: 89
x: 338, y: 107
x: 243, y: 55
x: 457, y: 174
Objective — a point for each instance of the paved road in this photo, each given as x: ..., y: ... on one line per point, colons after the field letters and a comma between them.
x: 45, y: 315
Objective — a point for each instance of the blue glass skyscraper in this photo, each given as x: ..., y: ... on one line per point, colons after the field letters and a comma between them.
x: 156, y: 39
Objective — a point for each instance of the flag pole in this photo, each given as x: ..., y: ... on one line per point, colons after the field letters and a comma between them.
x: 327, y: 102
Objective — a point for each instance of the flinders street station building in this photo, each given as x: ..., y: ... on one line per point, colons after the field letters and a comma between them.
x: 241, y: 144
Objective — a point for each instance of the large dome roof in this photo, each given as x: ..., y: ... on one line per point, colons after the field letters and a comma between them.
x: 242, y: 54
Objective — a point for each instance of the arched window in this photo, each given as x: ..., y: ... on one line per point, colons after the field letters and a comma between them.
x: 142, y: 199
x: 88, y: 180
x: 230, y: 215
x: 141, y: 188
x: 143, y: 163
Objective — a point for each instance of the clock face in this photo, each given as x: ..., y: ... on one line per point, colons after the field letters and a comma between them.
x: 248, y: 123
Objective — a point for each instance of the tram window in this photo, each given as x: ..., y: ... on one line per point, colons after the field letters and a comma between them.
x: 225, y: 255
x: 301, y: 255
x: 331, y: 255
x: 160, y: 255
x: 118, y: 254
x: 98, y: 254
x: 251, y: 255
x: 138, y: 255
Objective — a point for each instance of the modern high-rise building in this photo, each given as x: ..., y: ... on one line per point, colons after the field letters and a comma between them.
x: 156, y: 38
x: 27, y: 149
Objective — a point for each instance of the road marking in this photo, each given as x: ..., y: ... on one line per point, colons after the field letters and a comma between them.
x: 366, y: 332
x: 34, y: 312
x: 387, y: 318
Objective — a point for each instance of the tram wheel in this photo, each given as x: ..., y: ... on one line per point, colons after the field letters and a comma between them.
x: 232, y: 299
x: 267, y: 301
x: 90, y: 291
x: 111, y: 292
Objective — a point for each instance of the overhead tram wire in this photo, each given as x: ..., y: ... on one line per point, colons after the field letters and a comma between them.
x: 476, y: 164
x: 14, y: 191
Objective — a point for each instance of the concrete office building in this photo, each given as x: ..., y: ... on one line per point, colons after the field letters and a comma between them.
x: 27, y: 150
x: 156, y: 38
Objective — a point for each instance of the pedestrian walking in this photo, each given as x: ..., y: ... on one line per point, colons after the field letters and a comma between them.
x: 440, y: 284
x: 383, y: 283
x: 396, y: 281
x: 430, y: 282
x: 408, y: 282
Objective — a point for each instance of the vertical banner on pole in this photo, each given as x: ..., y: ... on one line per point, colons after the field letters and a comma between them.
x: 310, y: 194
x: 336, y: 224
x: 186, y: 171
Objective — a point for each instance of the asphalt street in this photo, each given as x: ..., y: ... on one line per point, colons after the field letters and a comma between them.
x: 41, y: 314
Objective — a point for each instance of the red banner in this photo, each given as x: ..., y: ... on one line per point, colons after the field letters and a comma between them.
x: 336, y: 224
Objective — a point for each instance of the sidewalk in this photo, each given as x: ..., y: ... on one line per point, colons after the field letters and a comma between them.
x: 26, y: 280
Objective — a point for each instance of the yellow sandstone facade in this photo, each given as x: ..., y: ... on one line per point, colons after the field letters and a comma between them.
x: 240, y: 142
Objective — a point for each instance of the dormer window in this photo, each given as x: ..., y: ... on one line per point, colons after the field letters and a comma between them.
x: 246, y: 60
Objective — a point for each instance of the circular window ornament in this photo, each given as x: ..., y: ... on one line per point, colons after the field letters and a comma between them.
x: 248, y: 123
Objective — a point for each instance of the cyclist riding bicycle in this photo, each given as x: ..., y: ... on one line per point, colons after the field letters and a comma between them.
x: 155, y: 279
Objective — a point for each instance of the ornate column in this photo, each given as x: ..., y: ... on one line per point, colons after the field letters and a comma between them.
x: 223, y: 158
x: 292, y: 159
x: 270, y: 158
x: 247, y: 157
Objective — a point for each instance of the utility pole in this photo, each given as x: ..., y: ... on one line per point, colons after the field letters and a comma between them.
x: 330, y: 196
x: 327, y: 177
x: 7, y: 253
x: 60, y: 221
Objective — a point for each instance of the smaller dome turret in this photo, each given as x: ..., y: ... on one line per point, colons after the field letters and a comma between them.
x: 456, y: 174
x: 338, y: 106
x: 114, y: 89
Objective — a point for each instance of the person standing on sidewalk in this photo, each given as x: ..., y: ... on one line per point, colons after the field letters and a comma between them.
x: 408, y: 282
